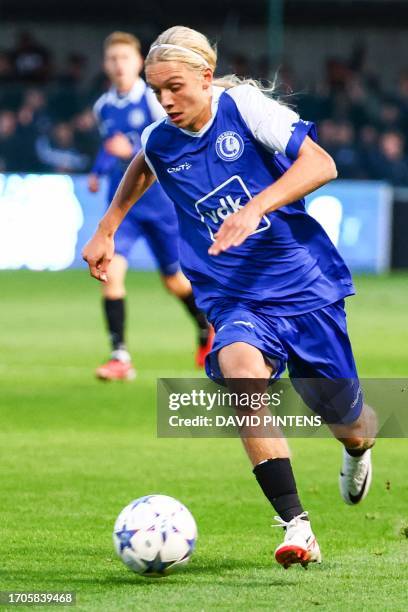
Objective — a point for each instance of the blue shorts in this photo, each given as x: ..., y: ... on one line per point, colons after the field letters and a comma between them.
x: 160, y: 234
x: 153, y: 217
x: 314, y: 345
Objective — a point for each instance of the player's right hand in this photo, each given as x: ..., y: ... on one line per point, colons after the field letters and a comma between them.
x: 93, y: 183
x: 98, y: 253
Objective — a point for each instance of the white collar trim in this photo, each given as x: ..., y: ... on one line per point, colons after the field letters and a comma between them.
x: 134, y: 95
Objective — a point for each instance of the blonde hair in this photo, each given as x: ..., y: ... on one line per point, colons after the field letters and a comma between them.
x: 190, y: 40
x: 199, y: 45
x: 122, y: 38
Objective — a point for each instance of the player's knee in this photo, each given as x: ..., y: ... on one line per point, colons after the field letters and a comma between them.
x: 240, y: 360
x: 113, y: 293
x: 170, y: 284
x: 236, y: 369
x: 358, y: 443
x: 361, y: 433
x: 113, y: 289
x: 177, y: 285
x: 249, y: 371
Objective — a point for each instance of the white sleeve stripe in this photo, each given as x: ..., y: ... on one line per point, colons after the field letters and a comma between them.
x: 149, y: 163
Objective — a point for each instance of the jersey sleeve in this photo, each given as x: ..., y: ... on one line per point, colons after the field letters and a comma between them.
x: 274, y: 125
x: 156, y: 109
x: 97, y: 111
x: 104, y: 162
x: 144, y: 138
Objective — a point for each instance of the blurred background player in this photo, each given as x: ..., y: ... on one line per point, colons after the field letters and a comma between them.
x: 122, y: 114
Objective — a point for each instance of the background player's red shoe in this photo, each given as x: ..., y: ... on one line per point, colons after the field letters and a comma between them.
x: 115, y: 369
x: 202, y: 351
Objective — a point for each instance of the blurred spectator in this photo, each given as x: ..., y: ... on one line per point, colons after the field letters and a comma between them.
x: 338, y: 74
x: 240, y: 65
x: 6, y: 68
x: 368, y: 148
x: 340, y: 106
x: 402, y: 95
x: 403, y: 90
x: 338, y: 139
x: 86, y: 134
x: 9, y: 142
x: 32, y: 121
x: 346, y: 155
x: 391, y: 163
x: 9, y: 95
x: 73, y: 75
x: 34, y: 108
x: 389, y: 117
x: 58, y: 151
x: 66, y: 99
x: 327, y: 135
x: 31, y: 60
x: 312, y: 105
x: 358, y: 57
x: 361, y: 107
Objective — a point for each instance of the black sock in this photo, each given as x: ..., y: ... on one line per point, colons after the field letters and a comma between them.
x: 198, y: 316
x: 115, y: 319
x: 275, y: 477
x: 356, y: 452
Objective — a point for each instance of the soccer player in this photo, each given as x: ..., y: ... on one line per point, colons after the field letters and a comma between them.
x: 265, y: 272
x: 122, y: 114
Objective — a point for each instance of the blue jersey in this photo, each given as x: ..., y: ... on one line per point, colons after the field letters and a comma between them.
x: 128, y: 114
x: 289, y: 263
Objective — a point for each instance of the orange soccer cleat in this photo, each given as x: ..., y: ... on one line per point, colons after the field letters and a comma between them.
x: 115, y: 369
x: 299, y: 545
x: 202, y: 351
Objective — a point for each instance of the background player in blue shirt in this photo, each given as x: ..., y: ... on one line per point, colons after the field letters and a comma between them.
x: 266, y: 273
x: 122, y: 114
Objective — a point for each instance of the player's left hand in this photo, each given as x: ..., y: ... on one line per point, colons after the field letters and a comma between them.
x: 236, y: 228
x: 119, y: 146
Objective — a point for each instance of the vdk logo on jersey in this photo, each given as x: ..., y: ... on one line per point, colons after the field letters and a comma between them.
x: 229, y: 146
x: 224, y: 200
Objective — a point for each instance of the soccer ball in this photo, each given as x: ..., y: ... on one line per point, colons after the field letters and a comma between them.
x: 155, y: 535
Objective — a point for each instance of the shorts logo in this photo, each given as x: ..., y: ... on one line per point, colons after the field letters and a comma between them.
x: 229, y: 146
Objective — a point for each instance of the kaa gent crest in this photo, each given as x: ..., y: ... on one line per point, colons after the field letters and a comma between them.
x: 229, y: 146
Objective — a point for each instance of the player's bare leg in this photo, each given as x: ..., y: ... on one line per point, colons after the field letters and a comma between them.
x: 114, y: 288
x: 178, y: 285
x: 119, y: 366
x: 243, y: 361
x: 245, y: 370
x: 356, y: 472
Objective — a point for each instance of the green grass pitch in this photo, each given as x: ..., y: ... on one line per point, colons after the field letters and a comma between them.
x: 74, y: 451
